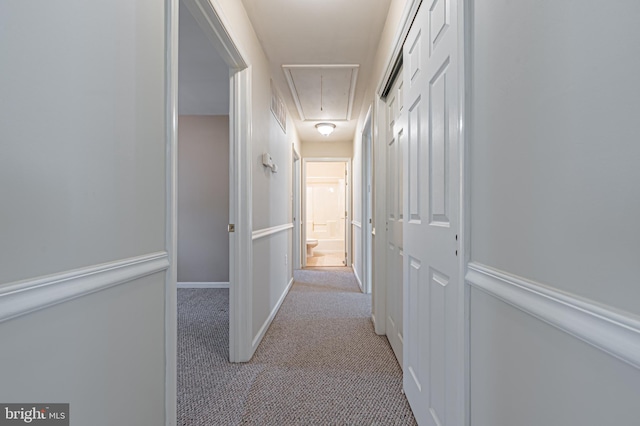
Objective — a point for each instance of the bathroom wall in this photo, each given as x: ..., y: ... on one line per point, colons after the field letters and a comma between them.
x: 325, y: 205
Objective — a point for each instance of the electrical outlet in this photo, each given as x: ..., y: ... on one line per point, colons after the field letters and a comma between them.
x: 286, y: 260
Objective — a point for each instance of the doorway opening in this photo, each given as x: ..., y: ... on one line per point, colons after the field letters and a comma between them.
x: 203, y: 159
x: 209, y: 78
x: 326, y: 213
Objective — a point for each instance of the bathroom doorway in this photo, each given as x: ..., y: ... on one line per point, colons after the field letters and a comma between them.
x: 326, y: 212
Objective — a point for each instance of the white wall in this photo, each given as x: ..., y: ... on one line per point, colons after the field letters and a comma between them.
x: 554, y: 199
x: 272, y: 192
x: 203, y: 198
x: 82, y: 125
x: 203, y: 80
x: 328, y: 149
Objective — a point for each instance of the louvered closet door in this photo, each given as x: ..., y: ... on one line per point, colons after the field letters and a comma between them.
x: 431, y: 215
x: 395, y: 161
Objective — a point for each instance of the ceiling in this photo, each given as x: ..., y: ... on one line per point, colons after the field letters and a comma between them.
x: 324, y: 33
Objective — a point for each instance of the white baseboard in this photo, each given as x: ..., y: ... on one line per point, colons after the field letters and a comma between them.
x: 272, y: 315
x: 616, y: 333
x: 355, y: 272
x: 373, y: 320
x: 203, y: 285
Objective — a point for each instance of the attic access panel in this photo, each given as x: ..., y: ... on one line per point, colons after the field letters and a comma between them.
x: 322, y: 92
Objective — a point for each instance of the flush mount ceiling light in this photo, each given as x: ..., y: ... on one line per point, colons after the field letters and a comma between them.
x: 325, y: 129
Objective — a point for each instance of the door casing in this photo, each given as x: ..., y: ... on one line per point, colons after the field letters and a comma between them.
x: 297, y: 240
x: 367, y: 200
x: 240, y: 254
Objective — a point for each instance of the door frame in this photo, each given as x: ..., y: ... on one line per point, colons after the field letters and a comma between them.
x: 303, y: 187
x: 465, y: 58
x: 240, y: 209
x: 379, y: 231
x: 367, y: 202
x: 297, y: 241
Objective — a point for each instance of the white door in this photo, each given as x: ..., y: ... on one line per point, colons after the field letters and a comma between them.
x: 347, y: 225
x: 431, y: 276
x: 367, y: 205
x: 295, y: 201
x: 395, y: 135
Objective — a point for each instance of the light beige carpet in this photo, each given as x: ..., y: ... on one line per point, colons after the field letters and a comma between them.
x: 320, y: 362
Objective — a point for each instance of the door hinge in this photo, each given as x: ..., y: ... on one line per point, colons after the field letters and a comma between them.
x: 231, y: 228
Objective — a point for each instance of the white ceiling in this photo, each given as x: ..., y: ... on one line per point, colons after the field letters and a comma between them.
x: 203, y: 77
x: 322, y: 92
x: 320, y: 32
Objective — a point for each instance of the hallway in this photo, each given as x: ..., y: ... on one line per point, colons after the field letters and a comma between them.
x: 319, y: 363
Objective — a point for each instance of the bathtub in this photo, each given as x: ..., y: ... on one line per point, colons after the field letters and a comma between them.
x: 328, y: 246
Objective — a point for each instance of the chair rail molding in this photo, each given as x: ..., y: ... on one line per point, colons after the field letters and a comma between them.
x: 23, y: 297
x: 261, y: 233
x: 614, y: 332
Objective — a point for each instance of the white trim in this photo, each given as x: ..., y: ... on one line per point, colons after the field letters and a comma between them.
x: 215, y: 26
x: 297, y: 215
x: 27, y: 296
x: 356, y: 223
x: 203, y: 285
x: 261, y: 233
x: 240, y: 213
x: 263, y: 330
x: 366, y: 195
x: 171, y: 231
x: 355, y: 273
x: 380, y: 247
x: 408, y: 14
x: 462, y: 335
x: 465, y: 39
x: 616, y: 333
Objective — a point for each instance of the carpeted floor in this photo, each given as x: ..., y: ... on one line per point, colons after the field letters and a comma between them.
x: 320, y: 362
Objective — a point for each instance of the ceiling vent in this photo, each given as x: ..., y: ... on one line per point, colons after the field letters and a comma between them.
x: 322, y: 92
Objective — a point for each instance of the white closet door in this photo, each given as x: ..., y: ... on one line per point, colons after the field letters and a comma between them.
x: 431, y: 215
x: 394, y: 220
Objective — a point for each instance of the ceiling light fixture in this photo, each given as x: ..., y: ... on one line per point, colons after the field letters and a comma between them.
x: 325, y: 129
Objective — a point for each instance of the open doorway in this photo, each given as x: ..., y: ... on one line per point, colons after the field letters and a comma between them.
x: 209, y: 77
x: 326, y: 201
x: 236, y: 76
x: 203, y: 160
